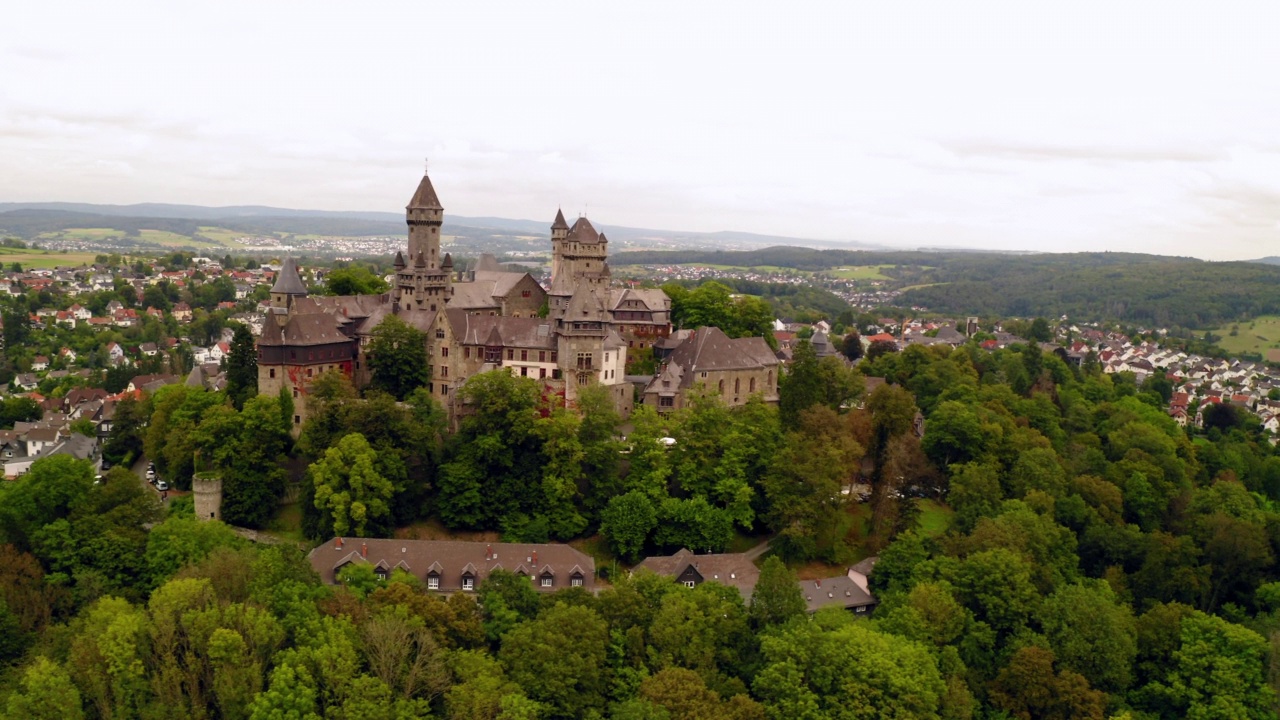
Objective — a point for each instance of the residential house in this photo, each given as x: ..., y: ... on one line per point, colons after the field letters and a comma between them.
x: 182, y: 312
x: 735, y: 570
x: 457, y: 566
x: 41, y: 362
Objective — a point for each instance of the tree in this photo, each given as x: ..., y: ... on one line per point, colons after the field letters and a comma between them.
x: 354, y: 280
x: 1091, y: 634
x: 1029, y: 688
x: 777, y: 597
x: 814, y: 670
x: 627, y: 522
x: 397, y: 357
x: 496, y: 454
x: 851, y: 346
x: 47, y: 694
x: 242, y: 367
x: 1039, y: 331
x: 685, y: 696
x: 349, y: 490
x: 560, y: 660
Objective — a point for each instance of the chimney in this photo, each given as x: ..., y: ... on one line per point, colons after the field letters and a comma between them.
x: 535, y: 558
x: 337, y: 543
x: 364, y: 550
x: 488, y: 552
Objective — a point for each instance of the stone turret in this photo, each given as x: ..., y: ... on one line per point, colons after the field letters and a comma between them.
x: 207, y: 489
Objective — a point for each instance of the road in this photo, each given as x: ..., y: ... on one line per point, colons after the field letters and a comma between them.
x: 140, y: 469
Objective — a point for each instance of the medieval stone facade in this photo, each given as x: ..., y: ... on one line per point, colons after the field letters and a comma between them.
x: 736, y: 369
x: 476, y: 321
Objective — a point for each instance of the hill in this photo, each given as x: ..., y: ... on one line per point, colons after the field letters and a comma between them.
x: 1142, y: 289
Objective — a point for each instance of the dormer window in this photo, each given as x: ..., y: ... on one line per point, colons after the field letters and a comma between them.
x: 546, y: 581
x: 468, y: 583
x: 433, y: 582
x: 575, y: 581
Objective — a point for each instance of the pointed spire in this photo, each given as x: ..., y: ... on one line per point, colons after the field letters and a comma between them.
x: 399, y: 261
x: 425, y: 197
x: 288, y: 280
x: 560, y: 223
x: 448, y: 261
x: 420, y: 261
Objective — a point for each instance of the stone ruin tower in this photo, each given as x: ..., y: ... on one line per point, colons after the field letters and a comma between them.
x: 207, y: 489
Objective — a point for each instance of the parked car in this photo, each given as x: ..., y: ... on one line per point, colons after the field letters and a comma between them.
x: 162, y: 485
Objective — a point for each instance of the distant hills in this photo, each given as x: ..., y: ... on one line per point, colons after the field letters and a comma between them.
x: 1269, y: 260
x: 30, y: 220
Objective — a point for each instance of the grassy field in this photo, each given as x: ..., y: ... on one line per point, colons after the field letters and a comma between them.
x: 38, y: 259
x: 861, y: 272
x: 1251, y: 336
x: 935, y: 517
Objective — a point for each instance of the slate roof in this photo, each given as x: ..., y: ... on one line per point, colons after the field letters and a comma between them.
x: 583, y: 232
x: 841, y: 591
x: 288, y: 281
x: 586, y: 305
x: 708, y: 348
x: 735, y: 570
x: 451, y: 558
x: 559, y: 223
x: 471, y: 329
x: 315, y: 328
x: 485, y: 290
x: 425, y: 196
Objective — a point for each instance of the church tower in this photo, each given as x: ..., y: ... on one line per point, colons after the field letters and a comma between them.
x: 424, y: 278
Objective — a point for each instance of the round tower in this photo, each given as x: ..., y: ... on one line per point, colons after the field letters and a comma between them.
x: 207, y: 489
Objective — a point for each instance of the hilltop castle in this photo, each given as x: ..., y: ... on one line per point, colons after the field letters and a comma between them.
x: 474, y: 321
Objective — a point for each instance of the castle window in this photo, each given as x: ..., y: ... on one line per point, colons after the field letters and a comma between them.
x: 440, y: 333
x: 524, y: 355
x: 542, y: 373
x: 667, y: 401
x: 554, y: 355
x: 273, y: 372
x: 542, y: 356
x: 721, y: 387
x: 511, y: 354
x: 524, y: 371
x: 555, y: 374
x: 295, y: 392
x: 524, y: 293
x: 444, y: 389
x: 297, y: 419
x: 736, y: 386
x: 444, y: 352
x: 466, y: 353
x: 752, y: 385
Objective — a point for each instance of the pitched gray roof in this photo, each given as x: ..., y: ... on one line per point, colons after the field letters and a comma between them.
x: 450, y: 559
x: 735, y: 570
x: 288, y: 281
x: 425, y: 196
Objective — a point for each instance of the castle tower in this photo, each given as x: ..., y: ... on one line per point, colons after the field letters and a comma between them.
x: 423, y: 282
x: 579, y: 258
x: 287, y: 288
x: 207, y: 489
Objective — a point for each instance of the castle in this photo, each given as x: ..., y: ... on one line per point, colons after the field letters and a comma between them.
x: 474, y: 321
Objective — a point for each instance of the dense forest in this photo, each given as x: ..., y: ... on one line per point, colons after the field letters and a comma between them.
x: 1100, y: 561
x: 1139, y: 289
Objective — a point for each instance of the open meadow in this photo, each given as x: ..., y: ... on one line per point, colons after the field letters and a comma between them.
x: 1250, y: 336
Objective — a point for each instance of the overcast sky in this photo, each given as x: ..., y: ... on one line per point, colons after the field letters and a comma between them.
x: 1140, y: 126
